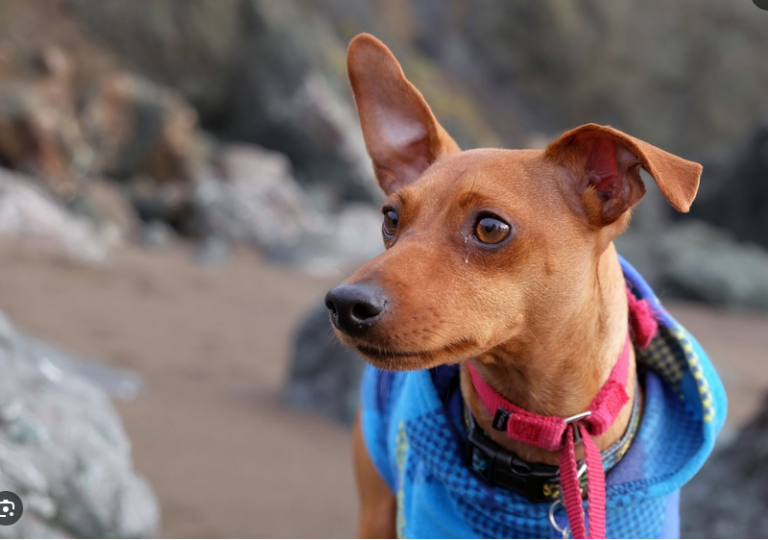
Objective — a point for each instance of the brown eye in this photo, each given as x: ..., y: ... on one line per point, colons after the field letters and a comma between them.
x: 391, y: 220
x: 490, y: 230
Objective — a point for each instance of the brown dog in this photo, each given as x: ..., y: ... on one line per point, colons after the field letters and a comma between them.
x: 504, y: 257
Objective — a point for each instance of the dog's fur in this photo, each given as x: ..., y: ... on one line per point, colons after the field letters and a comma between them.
x: 542, y: 314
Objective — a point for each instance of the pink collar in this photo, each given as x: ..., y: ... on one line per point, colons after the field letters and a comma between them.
x: 547, y: 431
x: 563, y: 434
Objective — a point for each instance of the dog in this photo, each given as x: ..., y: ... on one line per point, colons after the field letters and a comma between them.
x: 516, y: 359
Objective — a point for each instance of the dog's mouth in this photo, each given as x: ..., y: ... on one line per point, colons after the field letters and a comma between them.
x: 395, y: 359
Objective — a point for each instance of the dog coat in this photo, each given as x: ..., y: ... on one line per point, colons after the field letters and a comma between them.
x: 414, y: 430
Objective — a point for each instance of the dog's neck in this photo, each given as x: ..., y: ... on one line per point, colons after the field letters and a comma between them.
x: 557, y: 368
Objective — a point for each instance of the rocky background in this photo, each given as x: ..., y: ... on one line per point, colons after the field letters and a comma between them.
x: 226, y: 123
x: 230, y: 121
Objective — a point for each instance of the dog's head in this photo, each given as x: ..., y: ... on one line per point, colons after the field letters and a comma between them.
x: 483, y: 246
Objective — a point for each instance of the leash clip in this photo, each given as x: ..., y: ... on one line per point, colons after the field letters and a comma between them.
x: 564, y: 530
x: 575, y: 419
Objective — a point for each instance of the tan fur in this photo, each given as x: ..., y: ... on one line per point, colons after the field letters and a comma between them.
x: 384, y: 95
x: 377, y: 505
x: 544, y: 316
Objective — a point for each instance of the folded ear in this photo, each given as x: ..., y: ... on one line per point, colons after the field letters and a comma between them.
x: 401, y: 134
x: 605, y: 165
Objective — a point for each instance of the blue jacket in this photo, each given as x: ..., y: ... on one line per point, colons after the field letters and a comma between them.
x: 415, y: 434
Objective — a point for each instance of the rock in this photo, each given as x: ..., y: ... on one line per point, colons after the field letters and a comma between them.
x: 106, y: 205
x: 552, y: 65
x: 272, y: 73
x: 705, y: 264
x: 256, y: 201
x: 170, y: 202
x: 696, y: 261
x: 323, y: 376
x: 268, y: 73
x: 116, y: 382
x: 156, y: 235
x: 145, y: 137
x: 333, y: 159
x: 729, y: 496
x: 138, y: 128
x: 65, y: 123
x: 31, y: 218
x: 190, y: 46
x: 63, y: 448
x: 39, y: 129
x: 734, y: 187
x: 211, y: 251
x: 60, y: 117
x: 336, y: 242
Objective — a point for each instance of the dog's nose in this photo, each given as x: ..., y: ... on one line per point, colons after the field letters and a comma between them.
x: 355, y: 308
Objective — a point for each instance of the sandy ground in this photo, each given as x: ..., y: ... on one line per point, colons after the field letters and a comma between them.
x: 212, y: 345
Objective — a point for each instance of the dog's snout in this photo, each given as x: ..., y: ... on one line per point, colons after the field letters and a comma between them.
x: 355, y: 308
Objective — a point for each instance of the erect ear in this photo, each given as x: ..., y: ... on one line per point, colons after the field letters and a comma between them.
x: 605, y: 165
x: 401, y: 134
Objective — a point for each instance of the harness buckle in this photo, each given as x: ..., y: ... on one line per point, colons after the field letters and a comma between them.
x: 506, y: 470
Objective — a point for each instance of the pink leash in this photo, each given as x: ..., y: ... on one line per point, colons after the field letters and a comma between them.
x: 563, y: 434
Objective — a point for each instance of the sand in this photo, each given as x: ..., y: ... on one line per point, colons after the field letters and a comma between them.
x: 212, y: 344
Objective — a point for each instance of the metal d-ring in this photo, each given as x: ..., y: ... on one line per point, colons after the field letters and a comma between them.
x: 575, y: 419
x: 565, y: 531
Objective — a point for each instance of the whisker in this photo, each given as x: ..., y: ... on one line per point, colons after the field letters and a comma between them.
x: 345, y: 272
x: 389, y: 174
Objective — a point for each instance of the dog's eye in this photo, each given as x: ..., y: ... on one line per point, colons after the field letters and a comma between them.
x: 391, y: 220
x: 490, y: 230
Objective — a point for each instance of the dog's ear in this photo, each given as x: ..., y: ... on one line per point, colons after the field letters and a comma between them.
x: 401, y: 134
x: 605, y: 163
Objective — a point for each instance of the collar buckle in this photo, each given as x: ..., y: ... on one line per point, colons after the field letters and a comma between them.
x: 506, y: 470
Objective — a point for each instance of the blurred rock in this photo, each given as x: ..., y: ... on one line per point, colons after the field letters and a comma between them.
x: 708, y: 265
x: 734, y: 187
x: 62, y: 124
x: 138, y: 128
x: 39, y: 129
x: 211, y: 251
x: 63, y: 449
x: 256, y: 202
x: 106, y: 206
x: 190, y: 46
x: 34, y: 220
x: 693, y: 260
x: 272, y: 73
x: 324, y: 376
x: 552, y: 65
x: 156, y: 235
x: 335, y: 243
x: 729, y: 497
x: 60, y: 117
x: 269, y: 73
x: 116, y: 382
x: 145, y: 137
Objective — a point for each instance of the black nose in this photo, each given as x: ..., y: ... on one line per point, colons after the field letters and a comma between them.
x: 355, y: 308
